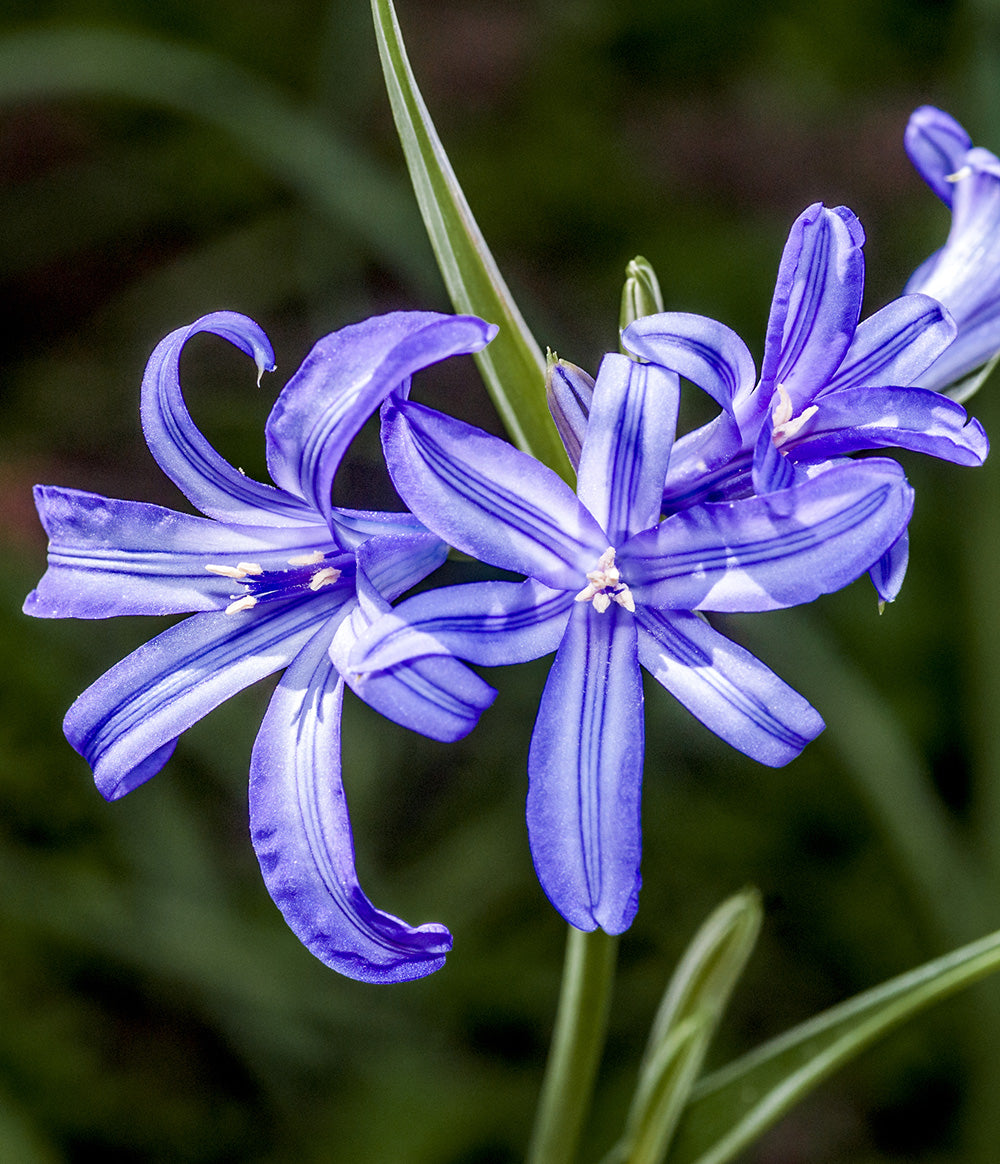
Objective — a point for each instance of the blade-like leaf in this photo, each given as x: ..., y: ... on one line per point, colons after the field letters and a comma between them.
x: 731, y: 1107
x: 685, y: 1023
x: 512, y: 366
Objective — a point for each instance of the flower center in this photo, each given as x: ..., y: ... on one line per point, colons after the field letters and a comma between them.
x: 785, y: 424
x: 305, y: 573
x: 605, y: 585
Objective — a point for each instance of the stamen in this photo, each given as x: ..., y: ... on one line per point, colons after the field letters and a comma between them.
x: 309, y: 559
x: 250, y: 567
x: 786, y: 425
x: 227, y: 571
x: 605, y: 586
x: 963, y: 172
x: 324, y: 578
x: 247, y: 602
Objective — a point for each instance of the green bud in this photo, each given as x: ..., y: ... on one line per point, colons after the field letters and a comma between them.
x: 641, y: 293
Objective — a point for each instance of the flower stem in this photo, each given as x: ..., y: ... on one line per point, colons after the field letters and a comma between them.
x: 577, y: 1043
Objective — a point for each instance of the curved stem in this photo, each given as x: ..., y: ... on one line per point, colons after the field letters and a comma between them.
x: 577, y: 1043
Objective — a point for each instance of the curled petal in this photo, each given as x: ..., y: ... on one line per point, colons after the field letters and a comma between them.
x: 302, y: 835
x: 109, y: 557
x: 816, y: 305
x: 203, y: 476
x: 728, y: 689
x: 487, y: 498
x: 701, y: 350
x: 905, y: 418
x: 937, y: 146
x: 585, y: 773
x: 633, y: 418
x: 343, y: 380
x: 895, y: 345
x: 782, y: 549
x: 490, y: 623
x: 393, y: 562
x: 438, y: 697
x: 122, y: 723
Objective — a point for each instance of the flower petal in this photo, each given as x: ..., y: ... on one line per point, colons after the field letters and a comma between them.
x: 110, y: 557
x: 341, y: 382
x: 889, y: 571
x: 816, y: 305
x: 782, y: 549
x: 203, y: 476
x: 487, y: 498
x: 937, y: 145
x: 623, y: 464
x: 490, y: 623
x: 302, y: 835
x: 569, y: 391
x: 733, y: 694
x: 700, y: 349
x: 905, y: 418
x: 895, y: 345
x: 438, y: 697
x: 707, y: 464
x: 585, y: 773
x: 122, y: 723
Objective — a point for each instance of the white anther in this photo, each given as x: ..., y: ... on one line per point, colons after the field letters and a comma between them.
x: 324, y: 578
x: 605, y: 585
x: 248, y: 602
x: 309, y: 559
x: 963, y: 172
x: 250, y: 567
x: 236, y: 572
x: 784, y: 423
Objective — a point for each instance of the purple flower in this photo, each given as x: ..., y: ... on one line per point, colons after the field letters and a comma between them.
x: 828, y: 386
x: 279, y: 577
x: 610, y: 588
x: 965, y: 273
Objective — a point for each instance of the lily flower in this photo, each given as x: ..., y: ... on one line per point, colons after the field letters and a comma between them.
x: 279, y: 578
x: 611, y: 589
x: 965, y: 273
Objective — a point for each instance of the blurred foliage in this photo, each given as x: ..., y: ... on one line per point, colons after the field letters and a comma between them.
x: 153, y: 1007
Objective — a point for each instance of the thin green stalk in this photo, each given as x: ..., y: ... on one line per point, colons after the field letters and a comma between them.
x: 577, y: 1043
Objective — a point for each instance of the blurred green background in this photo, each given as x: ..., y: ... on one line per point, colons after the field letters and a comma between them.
x: 159, y: 162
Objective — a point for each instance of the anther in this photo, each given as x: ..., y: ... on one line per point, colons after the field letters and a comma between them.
x: 247, y: 602
x: 324, y: 578
x: 309, y: 559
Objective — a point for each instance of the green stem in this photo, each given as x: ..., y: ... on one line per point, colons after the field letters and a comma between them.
x: 577, y: 1043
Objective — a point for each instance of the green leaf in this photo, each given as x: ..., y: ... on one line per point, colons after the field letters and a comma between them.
x: 512, y: 366
x: 685, y: 1023
x: 731, y: 1107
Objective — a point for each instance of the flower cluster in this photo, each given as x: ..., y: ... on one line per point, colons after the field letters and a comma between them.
x: 760, y: 509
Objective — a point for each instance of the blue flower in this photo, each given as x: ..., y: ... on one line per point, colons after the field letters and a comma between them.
x: 279, y: 577
x: 965, y: 273
x: 610, y: 588
x: 828, y: 386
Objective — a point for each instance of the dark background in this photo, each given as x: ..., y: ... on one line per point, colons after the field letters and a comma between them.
x: 153, y: 1006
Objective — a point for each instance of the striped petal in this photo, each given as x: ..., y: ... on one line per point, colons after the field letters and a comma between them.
x: 343, y: 380
x: 124, y: 723
x: 569, y: 391
x: 731, y: 692
x: 816, y: 305
x: 585, y: 773
x: 782, y: 549
x: 701, y: 350
x: 488, y: 499
x: 489, y: 623
x: 181, y: 450
x: 302, y: 835
x: 110, y: 557
x: 623, y: 464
